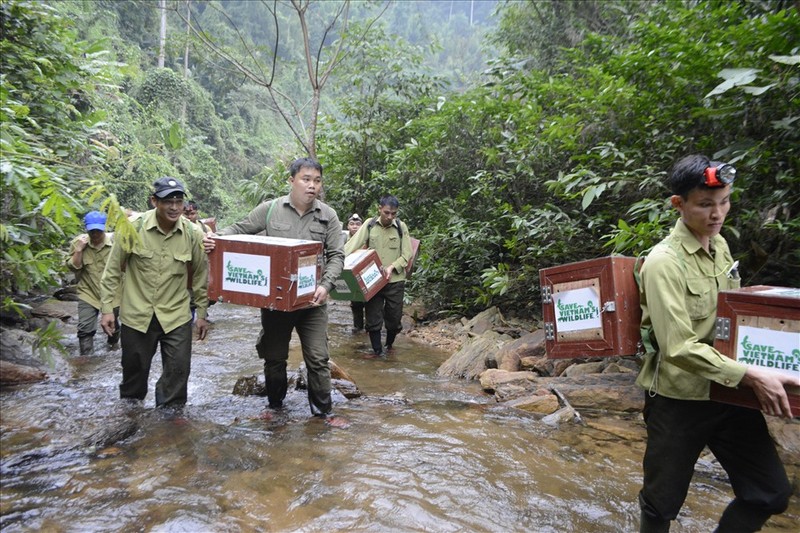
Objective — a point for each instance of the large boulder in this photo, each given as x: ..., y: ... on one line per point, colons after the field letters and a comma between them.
x: 12, y: 373
x: 471, y: 360
x: 510, y: 355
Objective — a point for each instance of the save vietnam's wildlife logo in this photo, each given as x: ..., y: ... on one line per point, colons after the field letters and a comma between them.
x: 244, y: 276
x: 575, y: 312
x: 768, y: 356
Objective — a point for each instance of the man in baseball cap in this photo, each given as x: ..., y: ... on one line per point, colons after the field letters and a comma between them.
x: 167, y: 187
x: 87, y: 258
x: 155, y: 306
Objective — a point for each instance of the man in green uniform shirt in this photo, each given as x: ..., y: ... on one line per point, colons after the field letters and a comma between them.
x: 680, y: 280
x: 298, y: 215
x: 155, y: 303
x: 389, y: 237
x: 87, y: 259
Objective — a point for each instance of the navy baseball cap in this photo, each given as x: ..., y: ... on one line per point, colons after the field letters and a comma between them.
x: 166, y: 186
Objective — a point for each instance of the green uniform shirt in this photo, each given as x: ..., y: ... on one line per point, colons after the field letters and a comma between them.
x: 390, y: 247
x: 679, y: 286
x: 90, y: 271
x: 156, y: 275
x: 319, y: 223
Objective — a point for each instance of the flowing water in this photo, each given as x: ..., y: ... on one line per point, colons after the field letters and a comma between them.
x: 421, y: 454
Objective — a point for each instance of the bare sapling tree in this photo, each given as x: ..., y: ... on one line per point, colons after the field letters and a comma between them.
x: 321, y: 59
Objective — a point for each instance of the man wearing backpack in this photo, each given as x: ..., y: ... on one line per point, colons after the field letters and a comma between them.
x: 298, y: 215
x: 155, y: 302
x: 388, y: 236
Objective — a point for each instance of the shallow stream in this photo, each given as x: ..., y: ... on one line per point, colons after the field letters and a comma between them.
x: 421, y: 454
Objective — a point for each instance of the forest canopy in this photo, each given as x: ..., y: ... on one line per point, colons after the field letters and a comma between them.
x: 517, y: 135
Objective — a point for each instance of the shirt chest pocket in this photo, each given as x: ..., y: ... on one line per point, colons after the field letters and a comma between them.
x: 180, y: 264
x: 277, y: 229
x: 701, y: 297
x: 393, y: 242
x: 318, y: 231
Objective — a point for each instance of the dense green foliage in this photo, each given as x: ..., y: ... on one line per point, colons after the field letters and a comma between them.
x: 555, y: 153
x: 49, y: 138
x: 545, y: 166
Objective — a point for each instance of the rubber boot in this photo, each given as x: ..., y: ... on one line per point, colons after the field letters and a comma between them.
x: 87, y: 345
x: 375, y: 340
x: 648, y: 524
x: 390, y: 336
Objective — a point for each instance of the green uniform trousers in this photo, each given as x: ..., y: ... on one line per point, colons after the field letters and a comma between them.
x: 311, y: 325
x: 87, y: 321
x: 138, y: 350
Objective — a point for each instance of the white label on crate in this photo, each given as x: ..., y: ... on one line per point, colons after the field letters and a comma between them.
x: 371, y: 275
x: 578, y: 309
x: 306, y: 275
x: 246, y: 273
x: 770, y: 349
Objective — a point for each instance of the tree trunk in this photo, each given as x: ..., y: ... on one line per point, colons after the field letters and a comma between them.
x: 188, y: 36
x: 162, y: 41
x: 186, y: 54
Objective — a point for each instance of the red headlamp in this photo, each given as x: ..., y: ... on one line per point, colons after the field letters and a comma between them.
x: 720, y: 176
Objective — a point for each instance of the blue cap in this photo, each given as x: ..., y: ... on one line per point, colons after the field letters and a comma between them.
x: 95, y: 220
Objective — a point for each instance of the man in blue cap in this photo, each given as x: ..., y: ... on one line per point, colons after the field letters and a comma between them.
x: 87, y: 258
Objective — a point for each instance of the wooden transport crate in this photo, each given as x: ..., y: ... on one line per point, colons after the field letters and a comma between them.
x: 361, y: 278
x: 268, y: 272
x: 591, y: 308
x: 414, y: 253
x: 759, y: 326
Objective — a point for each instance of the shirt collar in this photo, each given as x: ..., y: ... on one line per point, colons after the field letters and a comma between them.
x: 690, y: 242
x: 287, y: 200
x: 150, y: 222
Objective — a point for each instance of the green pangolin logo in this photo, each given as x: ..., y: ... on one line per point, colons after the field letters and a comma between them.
x: 575, y: 312
x: 370, y: 276
x: 768, y: 356
x: 305, y: 282
x: 245, y: 276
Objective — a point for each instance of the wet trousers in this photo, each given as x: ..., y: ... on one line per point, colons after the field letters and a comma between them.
x: 677, y: 433
x: 386, y: 308
x: 358, y: 314
x: 272, y: 346
x: 138, y: 350
x: 87, y: 321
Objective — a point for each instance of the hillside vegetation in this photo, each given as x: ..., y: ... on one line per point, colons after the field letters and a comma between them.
x: 517, y: 136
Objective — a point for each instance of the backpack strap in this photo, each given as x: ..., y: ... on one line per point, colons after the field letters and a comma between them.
x: 269, y: 215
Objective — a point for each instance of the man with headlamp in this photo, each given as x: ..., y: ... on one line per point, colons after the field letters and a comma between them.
x: 680, y: 280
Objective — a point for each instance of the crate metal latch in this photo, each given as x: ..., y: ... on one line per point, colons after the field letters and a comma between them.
x: 722, y: 328
x: 549, y: 331
x: 547, y: 297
